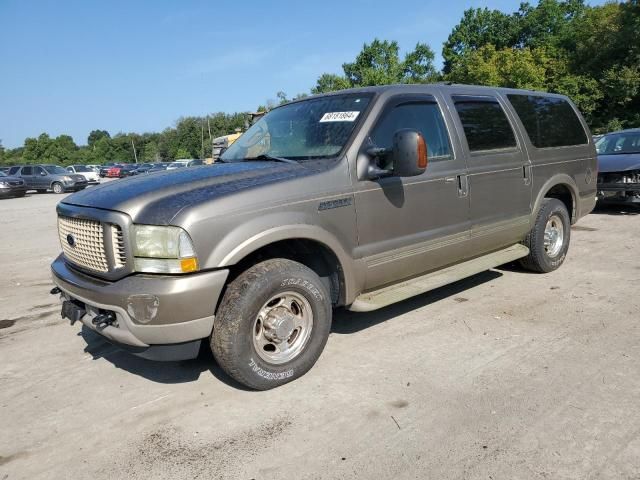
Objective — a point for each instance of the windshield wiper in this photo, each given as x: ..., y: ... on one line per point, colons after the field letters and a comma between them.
x: 271, y: 158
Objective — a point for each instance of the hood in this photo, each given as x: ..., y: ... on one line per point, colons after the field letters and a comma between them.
x: 11, y: 179
x: 618, y: 162
x: 158, y: 197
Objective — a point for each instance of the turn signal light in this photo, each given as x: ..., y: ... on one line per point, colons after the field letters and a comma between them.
x: 189, y: 265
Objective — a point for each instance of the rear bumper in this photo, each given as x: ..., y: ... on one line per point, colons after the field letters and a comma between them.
x: 619, y: 192
x: 148, y: 309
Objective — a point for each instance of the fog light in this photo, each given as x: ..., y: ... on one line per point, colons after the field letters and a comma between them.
x: 143, y: 308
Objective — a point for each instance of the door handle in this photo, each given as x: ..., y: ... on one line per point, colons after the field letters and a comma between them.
x: 526, y: 172
x: 463, y: 185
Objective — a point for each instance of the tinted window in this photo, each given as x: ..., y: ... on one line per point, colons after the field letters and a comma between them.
x: 425, y: 117
x: 55, y: 170
x: 26, y: 171
x: 39, y: 171
x: 13, y: 170
x: 549, y: 121
x: 485, y: 123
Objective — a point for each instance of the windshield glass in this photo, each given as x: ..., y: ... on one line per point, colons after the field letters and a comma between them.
x: 82, y: 168
x: 2, y: 174
x: 315, y: 128
x: 56, y: 170
x: 613, y: 143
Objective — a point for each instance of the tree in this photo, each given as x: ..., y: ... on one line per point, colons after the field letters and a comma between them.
x: 379, y: 64
x: 183, y: 153
x: 96, y: 135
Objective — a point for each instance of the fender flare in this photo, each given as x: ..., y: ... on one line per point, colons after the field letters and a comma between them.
x: 294, y: 232
x: 559, y: 179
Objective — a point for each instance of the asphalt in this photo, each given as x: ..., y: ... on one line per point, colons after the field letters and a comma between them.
x: 506, y: 375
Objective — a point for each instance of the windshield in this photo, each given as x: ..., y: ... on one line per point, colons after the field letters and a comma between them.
x: 315, y: 128
x: 54, y: 169
x: 2, y: 174
x: 82, y: 168
x: 614, y: 143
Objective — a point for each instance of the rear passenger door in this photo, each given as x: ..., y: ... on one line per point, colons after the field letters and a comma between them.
x: 499, y: 173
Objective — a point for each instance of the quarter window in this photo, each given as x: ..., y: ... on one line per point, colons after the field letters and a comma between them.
x: 549, y: 121
x: 484, y: 122
x: 425, y: 117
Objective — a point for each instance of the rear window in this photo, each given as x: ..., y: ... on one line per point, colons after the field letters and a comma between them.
x: 484, y: 122
x: 549, y: 121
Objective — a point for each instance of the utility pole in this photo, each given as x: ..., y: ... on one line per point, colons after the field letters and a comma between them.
x: 202, y: 140
x: 135, y: 155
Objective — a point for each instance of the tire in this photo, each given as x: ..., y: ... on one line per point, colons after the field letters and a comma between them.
x: 21, y: 194
x: 57, y: 187
x: 268, y: 292
x: 546, y: 255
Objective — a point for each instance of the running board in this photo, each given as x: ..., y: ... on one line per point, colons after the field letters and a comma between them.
x: 366, y: 302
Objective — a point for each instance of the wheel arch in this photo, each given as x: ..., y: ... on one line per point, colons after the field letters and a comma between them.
x: 310, y: 245
x: 563, y: 188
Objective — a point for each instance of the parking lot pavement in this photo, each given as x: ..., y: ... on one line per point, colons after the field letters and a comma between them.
x: 506, y: 375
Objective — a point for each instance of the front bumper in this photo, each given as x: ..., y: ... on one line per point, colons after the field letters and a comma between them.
x: 149, y: 310
x: 12, y: 191
x: 619, y: 192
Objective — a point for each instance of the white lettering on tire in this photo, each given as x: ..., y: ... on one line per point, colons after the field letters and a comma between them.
x: 310, y: 287
x: 270, y: 375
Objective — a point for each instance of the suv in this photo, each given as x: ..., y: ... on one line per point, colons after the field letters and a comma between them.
x: 359, y: 198
x: 86, y: 171
x: 50, y: 177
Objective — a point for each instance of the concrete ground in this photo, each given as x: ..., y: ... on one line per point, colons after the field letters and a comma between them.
x: 507, y: 375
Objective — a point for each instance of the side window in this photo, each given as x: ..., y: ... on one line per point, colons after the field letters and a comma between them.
x: 13, y: 170
x: 424, y: 117
x: 484, y: 122
x: 26, y: 171
x: 39, y: 171
x: 549, y: 121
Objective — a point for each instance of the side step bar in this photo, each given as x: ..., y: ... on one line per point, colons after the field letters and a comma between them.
x: 366, y: 302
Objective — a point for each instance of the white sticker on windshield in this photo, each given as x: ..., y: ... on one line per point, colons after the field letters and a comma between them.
x: 339, y: 117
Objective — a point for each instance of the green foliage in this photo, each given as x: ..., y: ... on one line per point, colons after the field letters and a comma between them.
x: 182, y: 153
x: 96, y: 135
x: 379, y: 63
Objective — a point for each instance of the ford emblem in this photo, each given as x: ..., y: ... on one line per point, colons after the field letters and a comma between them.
x: 71, y: 240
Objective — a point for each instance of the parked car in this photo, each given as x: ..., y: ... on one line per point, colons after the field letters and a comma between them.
x: 158, y: 167
x: 87, y: 172
x: 50, y: 177
x: 95, y: 168
x: 176, y: 165
x: 195, y: 163
x: 355, y: 199
x: 142, y: 168
x: 619, y: 167
x: 114, y: 171
x: 128, y: 170
x: 104, y: 169
x: 11, y: 186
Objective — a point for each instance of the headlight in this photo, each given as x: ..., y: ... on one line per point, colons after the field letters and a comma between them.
x: 67, y: 179
x: 163, y: 250
x: 4, y: 184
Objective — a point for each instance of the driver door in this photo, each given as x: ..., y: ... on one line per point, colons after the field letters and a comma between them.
x: 409, y: 226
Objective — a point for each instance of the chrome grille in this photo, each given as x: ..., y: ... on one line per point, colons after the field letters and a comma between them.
x: 117, y: 240
x: 88, y: 242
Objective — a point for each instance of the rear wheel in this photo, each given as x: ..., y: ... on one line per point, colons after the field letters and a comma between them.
x: 272, y: 324
x: 548, y: 240
x: 57, y: 187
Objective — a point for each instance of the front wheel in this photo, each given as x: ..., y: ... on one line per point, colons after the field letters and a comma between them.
x: 57, y: 188
x: 548, y: 240
x: 272, y: 324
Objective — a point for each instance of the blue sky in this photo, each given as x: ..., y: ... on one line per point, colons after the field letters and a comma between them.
x: 74, y: 66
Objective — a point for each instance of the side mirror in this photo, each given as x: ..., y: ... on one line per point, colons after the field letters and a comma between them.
x: 43, y: 174
x: 409, y: 153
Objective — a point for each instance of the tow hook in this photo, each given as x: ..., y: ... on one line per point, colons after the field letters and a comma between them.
x: 103, y: 320
x: 55, y: 291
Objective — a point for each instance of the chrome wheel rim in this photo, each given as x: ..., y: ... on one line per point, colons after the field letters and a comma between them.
x: 282, y: 328
x: 553, y: 236
x: 57, y: 188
